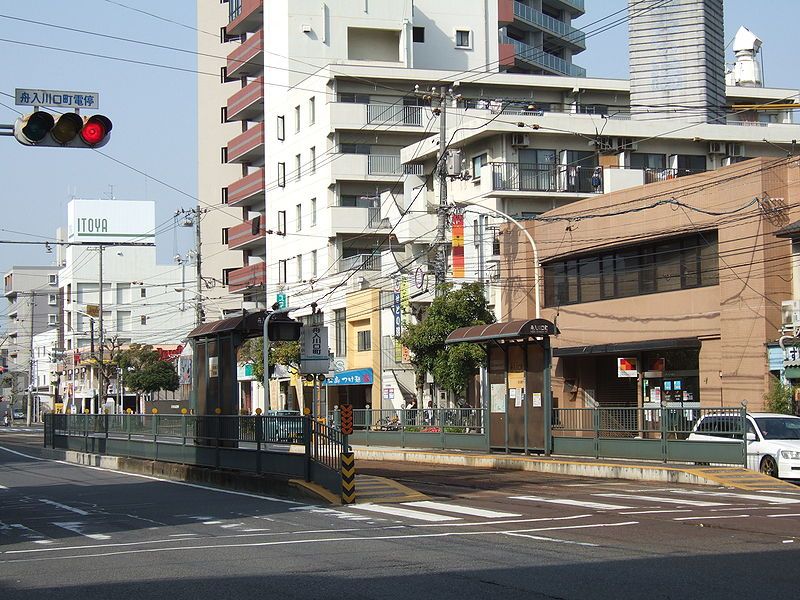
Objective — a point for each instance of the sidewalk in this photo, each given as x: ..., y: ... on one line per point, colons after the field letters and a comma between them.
x: 735, y: 477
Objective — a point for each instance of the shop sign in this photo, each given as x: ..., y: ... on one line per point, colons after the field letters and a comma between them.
x: 627, y: 367
x: 352, y: 377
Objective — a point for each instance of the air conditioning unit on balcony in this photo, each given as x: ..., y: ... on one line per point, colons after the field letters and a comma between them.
x: 716, y: 148
x: 520, y: 140
x: 790, y: 314
x: 735, y: 149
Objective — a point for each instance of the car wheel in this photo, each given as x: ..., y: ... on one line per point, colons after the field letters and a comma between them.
x: 769, y: 467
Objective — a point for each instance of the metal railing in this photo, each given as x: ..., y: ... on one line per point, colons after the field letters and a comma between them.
x: 542, y: 59
x: 392, y: 114
x: 554, y: 26
x: 249, y: 443
x: 654, y: 175
x: 374, y: 219
x: 360, y: 262
x: 384, y: 164
x: 418, y: 420
x: 522, y: 177
x: 659, y: 433
x: 234, y: 10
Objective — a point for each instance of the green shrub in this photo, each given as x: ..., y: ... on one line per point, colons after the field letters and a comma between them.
x: 779, y: 397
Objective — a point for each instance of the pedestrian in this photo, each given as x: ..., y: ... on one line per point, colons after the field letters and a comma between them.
x: 429, y: 413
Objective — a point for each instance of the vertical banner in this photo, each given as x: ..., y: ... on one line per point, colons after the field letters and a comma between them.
x: 405, y: 311
x: 458, y: 246
x: 398, y: 320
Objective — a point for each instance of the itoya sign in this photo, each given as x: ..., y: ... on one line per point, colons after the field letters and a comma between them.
x: 93, y: 221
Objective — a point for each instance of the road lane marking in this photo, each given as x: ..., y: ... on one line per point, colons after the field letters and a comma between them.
x: 705, y: 518
x: 76, y: 527
x: 477, y: 523
x: 661, y: 499
x: 654, y: 512
x: 570, y: 502
x: 77, y: 511
x: 344, y: 540
x: 2, y: 487
x: 397, y: 511
x: 211, y: 522
x: 182, y: 534
x: 789, y: 515
x: 462, y: 510
x: 770, y: 499
x: 542, y: 538
x: 231, y: 525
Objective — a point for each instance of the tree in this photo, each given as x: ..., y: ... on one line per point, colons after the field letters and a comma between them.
x: 779, y: 397
x: 280, y: 353
x: 145, y: 372
x: 451, y: 366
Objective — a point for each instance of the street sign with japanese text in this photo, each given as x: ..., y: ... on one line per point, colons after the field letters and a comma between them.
x: 56, y: 98
x: 314, y: 351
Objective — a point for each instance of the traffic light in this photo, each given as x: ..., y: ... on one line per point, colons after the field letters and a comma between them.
x: 284, y: 329
x: 69, y: 130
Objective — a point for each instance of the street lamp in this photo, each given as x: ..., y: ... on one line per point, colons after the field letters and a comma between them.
x: 536, y: 264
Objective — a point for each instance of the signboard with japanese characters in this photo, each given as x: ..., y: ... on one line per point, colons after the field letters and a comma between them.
x: 314, y: 351
x: 57, y: 98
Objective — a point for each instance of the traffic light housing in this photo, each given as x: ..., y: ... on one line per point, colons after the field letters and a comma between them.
x: 284, y: 329
x: 69, y: 130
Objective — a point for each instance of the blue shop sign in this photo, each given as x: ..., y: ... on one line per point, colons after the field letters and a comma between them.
x: 352, y: 377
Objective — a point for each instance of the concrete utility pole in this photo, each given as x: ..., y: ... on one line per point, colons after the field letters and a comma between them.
x: 199, y: 312
x: 442, y: 210
x: 30, y: 368
x: 101, y: 390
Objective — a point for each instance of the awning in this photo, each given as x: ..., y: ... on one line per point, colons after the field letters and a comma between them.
x: 792, y: 230
x: 627, y: 347
x: 351, y: 377
x: 251, y: 324
x: 509, y: 330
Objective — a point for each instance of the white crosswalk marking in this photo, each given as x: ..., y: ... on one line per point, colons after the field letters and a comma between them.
x: 662, y: 499
x: 78, y: 511
x: 397, y: 511
x: 770, y: 499
x: 571, y: 502
x: 462, y: 510
x: 76, y: 527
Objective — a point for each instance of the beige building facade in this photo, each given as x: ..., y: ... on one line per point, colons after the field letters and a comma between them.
x: 682, y: 279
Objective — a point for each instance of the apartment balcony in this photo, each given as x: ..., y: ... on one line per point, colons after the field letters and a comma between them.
x: 534, y: 57
x: 248, y: 192
x: 245, y: 16
x: 247, y: 278
x: 531, y: 19
x: 247, y: 59
x: 248, y: 236
x: 356, y: 219
x: 360, y: 262
x: 371, y: 167
x: 248, y: 147
x: 248, y: 103
x: 349, y: 115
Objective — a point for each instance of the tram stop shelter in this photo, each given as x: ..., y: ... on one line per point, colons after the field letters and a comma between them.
x: 517, y: 390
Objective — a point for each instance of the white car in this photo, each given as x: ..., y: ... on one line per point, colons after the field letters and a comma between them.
x: 773, y: 440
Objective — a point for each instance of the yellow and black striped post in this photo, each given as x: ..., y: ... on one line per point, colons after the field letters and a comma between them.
x: 348, y: 468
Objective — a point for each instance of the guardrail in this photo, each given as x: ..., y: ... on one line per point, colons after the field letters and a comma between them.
x: 648, y: 434
x: 260, y: 444
x: 457, y: 428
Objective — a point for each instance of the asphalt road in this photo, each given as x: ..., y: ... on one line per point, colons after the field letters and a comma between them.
x: 77, y: 532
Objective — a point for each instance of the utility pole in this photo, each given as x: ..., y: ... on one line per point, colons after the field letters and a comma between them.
x: 101, y: 392
x: 441, y: 172
x: 199, y: 312
x: 30, y: 368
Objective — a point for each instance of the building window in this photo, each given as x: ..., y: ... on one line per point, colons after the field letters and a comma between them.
x: 463, y: 38
x: 123, y: 320
x: 299, y: 262
x: 312, y: 110
x: 143, y: 319
x: 364, y: 341
x: 313, y: 152
x: 281, y: 271
x: 224, y: 194
x: 340, y: 331
x: 52, y: 299
x: 314, y: 264
x: 281, y: 222
x: 143, y: 292
x: 675, y: 264
x: 593, y: 109
x: 296, y: 167
x: 296, y: 119
x: 313, y: 212
x: 354, y: 98
x: 223, y: 154
x: 52, y: 279
x: 223, y: 74
x: 223, y: 114
x: 281, y: 174
x: 354, y: 148
x: 419, y: 34
x: 226, y: 275
x: 298, y: 217
x: 225, y: 235
x: 477, y: 163
x: 281, y: 128
x: 52, y: 319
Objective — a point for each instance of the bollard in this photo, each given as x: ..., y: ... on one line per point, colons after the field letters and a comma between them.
x: 348, y: 470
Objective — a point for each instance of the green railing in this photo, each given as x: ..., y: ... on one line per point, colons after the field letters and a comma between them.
x: 250, y: 443
x: 660, y: 433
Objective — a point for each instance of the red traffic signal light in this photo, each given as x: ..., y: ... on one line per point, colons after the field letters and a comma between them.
x: 69, y: 130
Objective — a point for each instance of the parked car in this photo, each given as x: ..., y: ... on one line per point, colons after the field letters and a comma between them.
x: 18, y: 413
x: 287, y: 428
x: 773, y: 440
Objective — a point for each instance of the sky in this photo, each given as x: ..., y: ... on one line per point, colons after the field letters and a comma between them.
x: 152, y: 153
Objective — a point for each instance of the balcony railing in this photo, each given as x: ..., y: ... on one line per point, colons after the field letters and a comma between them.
x: 248, y: 146
x: 247, y: 104
x: 247, y: 277
x: 360, y: 262
x: 521, y: 177
x: 390, y: 114
x: 548, y: 23
x: 541, y: 59
x: 249, y: 234
x: 247, y: 60
x: 384, y: 164
x: 247, y: 191
x: 654, y: 175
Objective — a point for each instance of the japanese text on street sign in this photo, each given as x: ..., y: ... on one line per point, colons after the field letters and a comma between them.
x: 314, y: 353
x: 59, y: 98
